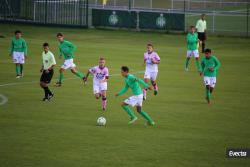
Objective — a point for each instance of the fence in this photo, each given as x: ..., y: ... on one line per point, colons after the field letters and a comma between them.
x: 52, y: 12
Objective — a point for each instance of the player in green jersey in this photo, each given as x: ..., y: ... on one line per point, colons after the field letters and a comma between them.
x: 67, y: 50
x: 18, y: 51
x: 47, y: 71
x: 192, y: 48
x: 136, y: 100
x: 209, y: 66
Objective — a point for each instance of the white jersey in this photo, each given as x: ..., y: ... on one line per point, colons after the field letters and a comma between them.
x: 148, y: 57
x: 100, y: 74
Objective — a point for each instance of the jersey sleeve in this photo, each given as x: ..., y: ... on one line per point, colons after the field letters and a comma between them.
x: 140, y: 81
x: 11, y: 47
x: 92, y: 70
x: 197, y: 24
x: 107, y: 73
x: 71, y: 46
x: 145, y: 56
x: 53, y: 60
x: 157, y: 57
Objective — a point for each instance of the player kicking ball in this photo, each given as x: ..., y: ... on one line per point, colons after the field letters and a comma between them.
x: 192, y: 46
x: 67, y: 49
x: 18, y: 51
x: 101, y: 76
x: 136, y: 100
x: 151, y: 59
x: 210, y: 66
x: 47, y: 71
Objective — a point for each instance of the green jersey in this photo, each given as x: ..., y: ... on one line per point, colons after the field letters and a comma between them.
x: 48, y: 60
x: 132, y: 82
x: 209, y: 63
x: 67, y: 49
x: 18, y: 45
x: 192, y: 40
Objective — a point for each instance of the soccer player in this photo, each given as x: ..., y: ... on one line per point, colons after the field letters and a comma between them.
x: 101, y: 76
x: 47, y: 71
x: 67, y: 49
x: 136, y: 100
x: 151, y: 59
x: 18, y: 51
x: 192, y: 46
x: 210, y: 66
x: 201, y: 27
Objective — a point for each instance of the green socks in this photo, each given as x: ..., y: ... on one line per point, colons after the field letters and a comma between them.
x: 18, y: 70
x: 129, y: 111
x: 197, y: 63
x: 61, y: 77
x: 187, y: 62
x: 146, y: 116
x: 79, y: 74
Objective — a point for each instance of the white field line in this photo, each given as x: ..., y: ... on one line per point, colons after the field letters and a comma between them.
x: 31, y: 82
x: 3, y: 99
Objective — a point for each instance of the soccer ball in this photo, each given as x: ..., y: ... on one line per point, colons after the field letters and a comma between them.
x: 101, y: 121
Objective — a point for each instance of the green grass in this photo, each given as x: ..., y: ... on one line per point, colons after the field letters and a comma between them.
x: 63, y: 132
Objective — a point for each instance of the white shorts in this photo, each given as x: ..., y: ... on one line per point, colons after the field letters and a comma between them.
x: 194, y: 53
x: 99, y: 87
x: 150, y: 75
x: 68, y: 64
x: 211, y: 81
x: 18, y: 57
x: 135, y: 100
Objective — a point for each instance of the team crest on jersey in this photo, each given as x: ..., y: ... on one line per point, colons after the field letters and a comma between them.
x: 161, y: 21
x: 113, y: 19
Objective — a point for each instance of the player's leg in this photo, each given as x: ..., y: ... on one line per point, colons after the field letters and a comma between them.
x: 208, y: 94
x: 18, y: 72
x: 44, y: 83
x: 189, y: 55
x: 145, y: 115
x: 77, y: 73
x: 146, y: 80
x: 104, y: 100
x: 197, y: 62
x: 213, y: 82
x: 125, y: 105
x: 61, y: 77
x: 22, y: 61
x: 15, y: 57
x: 153, y: 76
x: 96, y: 91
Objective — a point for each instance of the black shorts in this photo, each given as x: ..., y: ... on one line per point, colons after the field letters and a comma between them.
x: 202, y: 36
x: 46, y: 77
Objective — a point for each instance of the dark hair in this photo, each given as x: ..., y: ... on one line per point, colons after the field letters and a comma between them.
x: 192, y: 27
x: 125, y: 68
x: 17, y: 31
x: 150, y: 44
x: 208, y: 50
x: 202, y: 15
x: 45, y: 44
x: 59, y: 34
x: 102, y: 58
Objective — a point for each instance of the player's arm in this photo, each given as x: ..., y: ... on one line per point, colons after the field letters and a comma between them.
x: 72, y: 47
x: 53, y: 60
x: 217, y: 64
x: 90, y: 71
x: 11, y: 47
x: 106, y: 76
x: 156, y: 60
x: 124, y: 90
x: 146, y: 86
x: 61, y: 53
x: 25, y: 48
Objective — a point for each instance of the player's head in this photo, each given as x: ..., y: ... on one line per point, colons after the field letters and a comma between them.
x: 102, y: 62
x: 60, y: 37
x: 18, y: 34
x: 46, y: 47
x: 124, y: 71
x: 208, y: 53
x: 203, y: 16
x: 192, y: 29
x: 150, y: 47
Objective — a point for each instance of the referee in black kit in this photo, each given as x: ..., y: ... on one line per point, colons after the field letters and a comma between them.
x: 201, y: 27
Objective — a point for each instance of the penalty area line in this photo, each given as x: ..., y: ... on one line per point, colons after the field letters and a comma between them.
x: 31, y: 82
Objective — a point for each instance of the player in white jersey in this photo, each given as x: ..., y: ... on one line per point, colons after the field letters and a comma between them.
x: 151, y: 59
x: 100, y: 78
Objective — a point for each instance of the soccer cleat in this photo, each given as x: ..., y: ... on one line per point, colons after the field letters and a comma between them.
x: 51, y: 96
x: 150, y: 123
x: 58, y: 84
x: 18, y: 76
x: 132, y: 120
x: 22, y: 75
x: 45, y: 99
x: 155, y: 92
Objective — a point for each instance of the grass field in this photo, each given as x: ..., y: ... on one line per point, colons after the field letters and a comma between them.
x: 63, y: 132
